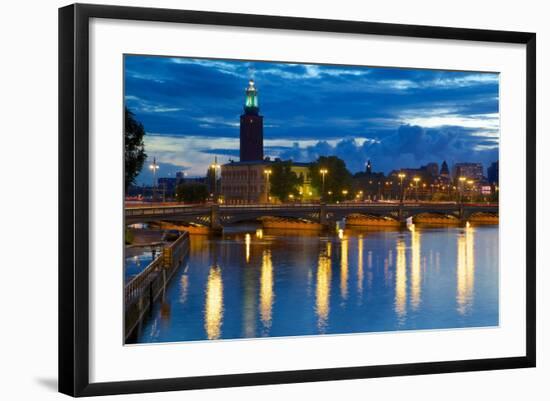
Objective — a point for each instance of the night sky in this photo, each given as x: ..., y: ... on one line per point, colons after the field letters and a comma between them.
x: 397, y: 118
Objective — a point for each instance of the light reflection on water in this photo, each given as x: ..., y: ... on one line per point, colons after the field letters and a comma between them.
x: 253, y: 283
x: 324, y: 275
x: 213, y: 309
x: 266, y: 289
x: 465, y: 269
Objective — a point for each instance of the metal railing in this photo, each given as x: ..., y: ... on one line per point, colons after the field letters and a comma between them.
x: 147, y: 286
x: 135, y: 287
x: 190, y: 209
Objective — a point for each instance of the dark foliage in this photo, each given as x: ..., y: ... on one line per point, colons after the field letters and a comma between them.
x: 134, y: 149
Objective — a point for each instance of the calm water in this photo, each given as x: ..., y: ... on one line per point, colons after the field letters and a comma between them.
x: 137, y: 259
x: 254, y: 283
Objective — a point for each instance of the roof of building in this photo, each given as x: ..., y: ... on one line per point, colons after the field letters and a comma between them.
x: 265, y: 162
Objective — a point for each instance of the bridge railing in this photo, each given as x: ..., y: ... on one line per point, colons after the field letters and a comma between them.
x: 134, y: 288
x: 205, y: 209
x: 147, y: 286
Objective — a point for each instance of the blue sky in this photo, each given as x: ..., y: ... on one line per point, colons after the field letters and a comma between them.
x: 395, y: 117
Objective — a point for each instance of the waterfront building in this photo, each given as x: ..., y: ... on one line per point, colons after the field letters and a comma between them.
x: 244, y: 182
x: 472, y: 171
x: 247, y: 182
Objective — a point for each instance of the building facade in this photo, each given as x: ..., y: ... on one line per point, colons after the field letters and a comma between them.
x: 472, y: 171
x: 244, y: 182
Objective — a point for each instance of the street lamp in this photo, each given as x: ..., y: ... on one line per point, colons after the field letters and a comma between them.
x: 401, y: 176
x: 323, y: 172
x: 267, y: 173
x: 416, y: 181
x: 154, y: 167
x: 215, y: 166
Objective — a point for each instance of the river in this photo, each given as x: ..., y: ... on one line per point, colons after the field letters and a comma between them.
x: 257, y: 283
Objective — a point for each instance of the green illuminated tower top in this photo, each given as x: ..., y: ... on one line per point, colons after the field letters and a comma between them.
x: 251, y: 103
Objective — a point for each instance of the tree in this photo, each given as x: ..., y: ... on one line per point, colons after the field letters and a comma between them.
x: 134, y: 149
x: 338, y: 179
x: 283, y: 181
x: 191, y: 192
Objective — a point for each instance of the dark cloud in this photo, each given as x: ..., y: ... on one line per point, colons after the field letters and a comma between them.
x: 203, y: 98
x: 409, y: 146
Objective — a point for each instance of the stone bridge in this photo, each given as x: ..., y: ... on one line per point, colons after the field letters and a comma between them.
x: 219, y: 215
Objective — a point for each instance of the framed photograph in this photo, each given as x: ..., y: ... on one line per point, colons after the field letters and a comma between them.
x: 250, y: 199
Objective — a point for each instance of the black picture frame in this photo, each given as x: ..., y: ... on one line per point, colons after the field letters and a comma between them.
x: 74, y: 198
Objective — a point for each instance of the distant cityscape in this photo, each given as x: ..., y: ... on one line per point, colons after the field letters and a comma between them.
x: 258, y: 179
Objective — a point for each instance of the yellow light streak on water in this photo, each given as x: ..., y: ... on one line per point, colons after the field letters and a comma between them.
x: 213, y: 310
x: 266, y: 289
x: 322, y: 293
x: 400, y: 281
x: 416, y: 271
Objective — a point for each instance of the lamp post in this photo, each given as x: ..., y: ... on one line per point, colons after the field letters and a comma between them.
x: 401, y: 176
x: 323, y: 172
x: 416, y: 181
x: 215, y: 166
x: 461, y: 187
x: 267, y: 173
x: 154, y: 167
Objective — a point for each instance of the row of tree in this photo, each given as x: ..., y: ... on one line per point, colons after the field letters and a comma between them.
x: 284, y: 183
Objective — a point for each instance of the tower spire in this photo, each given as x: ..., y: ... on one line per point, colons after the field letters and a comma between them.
x: 251, y: 101
x: 252, y: 127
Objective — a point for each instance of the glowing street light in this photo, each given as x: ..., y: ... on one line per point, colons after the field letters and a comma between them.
x: 215, y: 166
x: 154, y: 167
x: 323, y: 172
x: 267, y: 173
x: 416, y: 181
x: 401, y: 176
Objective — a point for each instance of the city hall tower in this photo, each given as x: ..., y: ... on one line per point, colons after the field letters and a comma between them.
x: 252, y: 128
